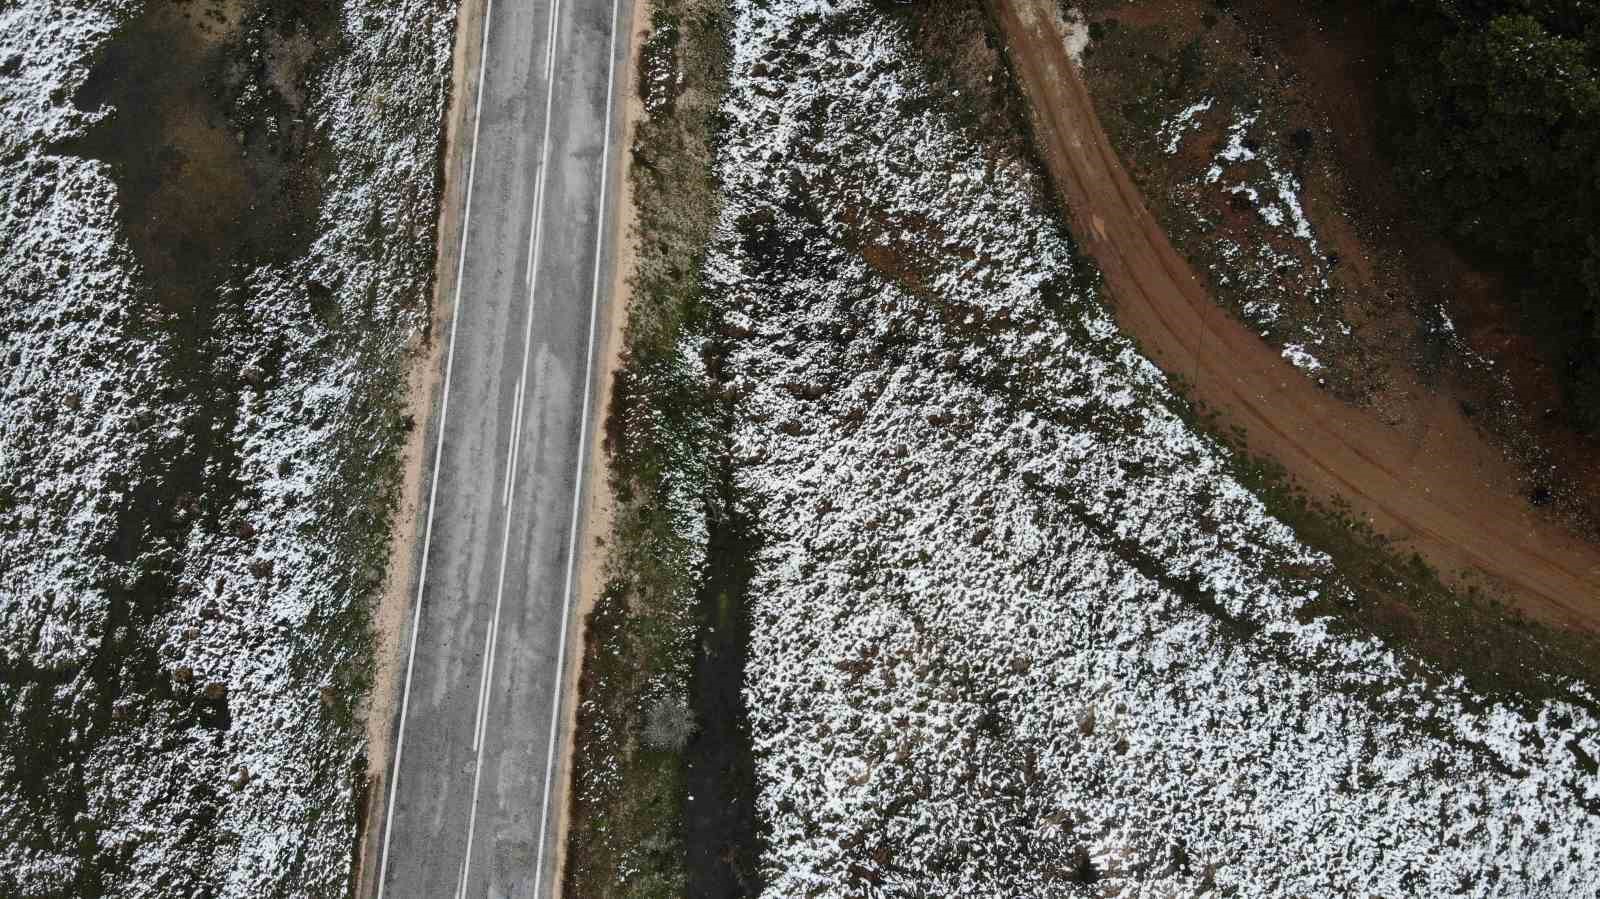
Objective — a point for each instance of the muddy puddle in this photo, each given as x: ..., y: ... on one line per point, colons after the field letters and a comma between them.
x: 720, y: 828
x: 215, y: 168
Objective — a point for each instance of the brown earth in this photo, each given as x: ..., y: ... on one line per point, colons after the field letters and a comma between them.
x: 1436, y: 488
x: 215, y: 164
x: 1319, y: 71
x: 1337, y: 51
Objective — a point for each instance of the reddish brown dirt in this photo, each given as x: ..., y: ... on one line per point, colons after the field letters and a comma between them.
x: 1437, y: 489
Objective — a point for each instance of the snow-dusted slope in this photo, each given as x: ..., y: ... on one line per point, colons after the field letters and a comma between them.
x: 176, y: 711
x: 1016, y: 627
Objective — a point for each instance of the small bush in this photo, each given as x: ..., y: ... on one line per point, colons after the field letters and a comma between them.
x: 669, y: 724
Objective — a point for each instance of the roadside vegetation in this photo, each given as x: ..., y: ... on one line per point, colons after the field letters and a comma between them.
x: 662, y: 799
x: 216, y: 252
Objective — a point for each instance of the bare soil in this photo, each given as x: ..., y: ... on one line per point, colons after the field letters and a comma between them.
x: 1336, y: 53
x: 1435, y: 486
x: 1316, y: 73
x: 212, y: 173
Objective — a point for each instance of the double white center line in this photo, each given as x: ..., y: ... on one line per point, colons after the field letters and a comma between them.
x: 519, y: 402
x: 531, y: 280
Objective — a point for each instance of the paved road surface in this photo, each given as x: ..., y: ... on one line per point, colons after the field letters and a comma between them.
x: 472, y: 808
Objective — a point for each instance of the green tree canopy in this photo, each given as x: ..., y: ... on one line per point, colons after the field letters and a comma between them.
x: 1497, y: 129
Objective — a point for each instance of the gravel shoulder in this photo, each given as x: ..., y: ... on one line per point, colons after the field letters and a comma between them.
x: 1436, y: 488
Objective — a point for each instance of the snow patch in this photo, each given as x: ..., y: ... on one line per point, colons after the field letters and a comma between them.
x: 1011, y: 613
x: 1173, y: 130
x: 1300, y: 358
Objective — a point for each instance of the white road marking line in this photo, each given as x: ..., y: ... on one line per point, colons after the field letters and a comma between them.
x: 483, y: 684
x: 511, y: 440
x: 486, y: 695
x: 530, y: 278
x: 438, y: 451
x: 550, y: 58
x: 549, y: 64
x: 583, y: 437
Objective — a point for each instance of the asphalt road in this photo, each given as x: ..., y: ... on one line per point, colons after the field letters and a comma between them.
x: 473, y: 806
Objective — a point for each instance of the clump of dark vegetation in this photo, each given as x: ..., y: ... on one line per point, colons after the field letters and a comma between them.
x: 658, y: 64
x: 663, y: 799
x: 1495, y: 119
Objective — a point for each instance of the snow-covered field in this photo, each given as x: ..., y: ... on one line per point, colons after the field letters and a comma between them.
x: 1016, y: 628
x: 178, y: 706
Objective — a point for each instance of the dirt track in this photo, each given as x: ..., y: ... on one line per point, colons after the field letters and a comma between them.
x: 1435, y: 485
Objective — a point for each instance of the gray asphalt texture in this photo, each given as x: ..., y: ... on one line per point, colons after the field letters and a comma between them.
x: 425, y: 849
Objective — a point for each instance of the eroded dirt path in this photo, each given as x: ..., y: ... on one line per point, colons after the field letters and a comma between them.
x: 1436, y: 487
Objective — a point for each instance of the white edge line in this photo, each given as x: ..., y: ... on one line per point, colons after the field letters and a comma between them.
x: 583, y: 442
x: 438, y: 450
x: 483, y: 684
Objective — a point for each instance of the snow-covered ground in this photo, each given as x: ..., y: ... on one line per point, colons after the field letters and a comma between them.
x: 1016, y: 627
x: 173, y: 721
x: 1284, y: 262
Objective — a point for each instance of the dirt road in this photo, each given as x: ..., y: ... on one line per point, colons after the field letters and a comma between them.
x: 1436, y: 486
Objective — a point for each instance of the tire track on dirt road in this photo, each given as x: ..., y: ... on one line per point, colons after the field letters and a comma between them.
x: 1457, y: 508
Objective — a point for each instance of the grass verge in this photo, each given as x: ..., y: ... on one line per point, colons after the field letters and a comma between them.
x: 649, y: 707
